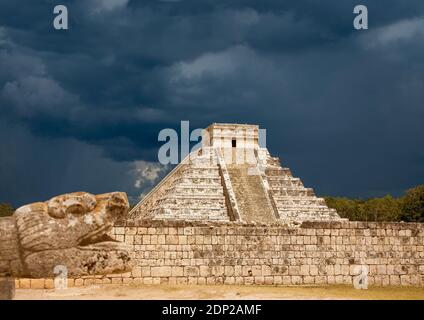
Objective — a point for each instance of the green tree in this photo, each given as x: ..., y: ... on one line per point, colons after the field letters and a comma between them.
x: 382, y: 209
x: 375, y: 209
x: 6, y: 210
x: 412, y: 205
x: 347, y: 208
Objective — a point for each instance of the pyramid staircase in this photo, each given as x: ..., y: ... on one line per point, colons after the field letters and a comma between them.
x: 252, y: 198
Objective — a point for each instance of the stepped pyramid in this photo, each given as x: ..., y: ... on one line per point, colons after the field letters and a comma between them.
x: 232, y: 178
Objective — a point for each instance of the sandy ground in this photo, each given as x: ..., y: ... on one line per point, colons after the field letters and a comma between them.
x: 153, y: 292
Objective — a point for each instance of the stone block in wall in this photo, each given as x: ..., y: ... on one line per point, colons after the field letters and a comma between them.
x: 238, y: 270
x: 313, y: 270
x: 294, y: 270
x: 177, y: 271
x: 191, y: 271
x: 129, y: 239
x: 308, y: 280
x: 338, y: 279
x: 229, y: 280
x: 151, y: 230
x: 79, y: 282
x: 182, y: 240
x: 415, y: 280
x: 394, y: 280
x: 385, y: 280
x: 256, y: 270
x: 259, y: 280
x: 136, y: 272
x: 219, y: 280
x: 266, y: 270
x: 345, y: 270
x: 175, y: 230
x: 296, y: 280
x: 154, y: 240
x: 381, y: 269
x: 405, y: 280
x: 48, y: 284
x: 171, y: 239
x: 141, y: 231
x: 130, y: 231
x: 161, y: 239
x: 286, y: 280
x: 229, y: 271
x: 145, y: 271
x: 304, y: 270
x: 145, y: 239
x: 239, y: 280
x: 37, y: 283
x: 127, y: 281
x: 163, y: 271
x: 25, y: 283
x: 329, y: 270
x: 116, y: 280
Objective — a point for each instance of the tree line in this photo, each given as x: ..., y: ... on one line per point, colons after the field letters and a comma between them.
x: 408, y: 208
x: 6, y: 210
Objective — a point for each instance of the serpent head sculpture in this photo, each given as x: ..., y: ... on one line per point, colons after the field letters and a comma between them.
x: 70, y: 230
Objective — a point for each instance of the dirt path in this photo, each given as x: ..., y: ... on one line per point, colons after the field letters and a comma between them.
x: 221, y: 292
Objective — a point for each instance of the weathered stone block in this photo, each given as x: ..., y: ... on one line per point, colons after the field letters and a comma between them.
x: 294, y: 270
x: 304, y: 270
x: 37, y: 283
x: 164, y: 271
x: 313, y: 270
x: 296, y: 280
x: 25, y: 283
x: 191, y: 271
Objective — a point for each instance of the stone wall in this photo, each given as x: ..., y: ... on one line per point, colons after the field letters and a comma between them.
x: 174, y: 252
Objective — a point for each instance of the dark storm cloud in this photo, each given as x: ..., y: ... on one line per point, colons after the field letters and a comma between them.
x: 342, y: 107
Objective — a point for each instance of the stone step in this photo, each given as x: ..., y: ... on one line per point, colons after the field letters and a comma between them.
x: 278, y: 171
x: 250, y: 195
x: 295, y: 192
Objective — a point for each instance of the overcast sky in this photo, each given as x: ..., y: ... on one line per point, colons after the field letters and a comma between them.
x: 81, y: 109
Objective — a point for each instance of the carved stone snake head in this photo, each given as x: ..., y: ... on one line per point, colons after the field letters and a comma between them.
x: 72, y: 230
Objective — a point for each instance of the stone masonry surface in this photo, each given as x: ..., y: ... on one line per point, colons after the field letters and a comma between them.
x: 320, y: 253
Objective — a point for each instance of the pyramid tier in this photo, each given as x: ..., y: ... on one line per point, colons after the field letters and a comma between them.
x: 292, y: 192
x: 193, y: 191
x: 292, y: 200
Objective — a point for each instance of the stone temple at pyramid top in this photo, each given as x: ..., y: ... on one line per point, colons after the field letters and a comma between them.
x: 232, y: 177
x: 227, y: 135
